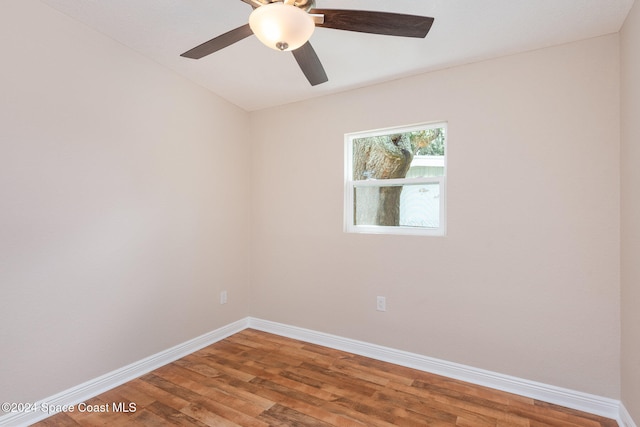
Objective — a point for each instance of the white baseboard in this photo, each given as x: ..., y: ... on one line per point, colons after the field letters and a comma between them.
x: 625, y: 418
x: 597, y: 405
x: 106, y: 382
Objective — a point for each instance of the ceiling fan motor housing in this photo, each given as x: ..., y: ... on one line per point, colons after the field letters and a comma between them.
x: 305, y: 5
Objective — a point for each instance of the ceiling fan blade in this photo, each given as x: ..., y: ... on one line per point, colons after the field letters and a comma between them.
x: 310, y: 64
x: 220, y: 42
x: 390, y: 24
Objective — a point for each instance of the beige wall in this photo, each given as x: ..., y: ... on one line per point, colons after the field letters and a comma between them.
x: 630, y: 48
x: 525, y: 283
x: 119, y: 223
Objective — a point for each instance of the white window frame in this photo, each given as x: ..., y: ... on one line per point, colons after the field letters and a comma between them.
x: 351, y: 185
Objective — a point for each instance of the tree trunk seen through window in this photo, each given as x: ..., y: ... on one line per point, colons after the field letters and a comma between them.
x: 384, y: 157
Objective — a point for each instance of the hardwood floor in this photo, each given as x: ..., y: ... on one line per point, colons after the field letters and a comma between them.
x: 258, y: 379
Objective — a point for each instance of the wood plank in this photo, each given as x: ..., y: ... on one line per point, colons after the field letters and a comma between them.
x: 172, y: 415
x: 282, y: 415
x: 158, y: 394
x: 59, y: 420
x: 207, y: 417
x: 230, y: 414
x: 150, y: 419
x: 258, y: 379
x: 206, y: 390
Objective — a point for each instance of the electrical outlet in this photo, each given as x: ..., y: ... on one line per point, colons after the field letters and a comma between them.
x: 381, y: 304
x: 223, y: 297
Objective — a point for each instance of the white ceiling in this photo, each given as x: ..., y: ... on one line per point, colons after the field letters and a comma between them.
x: 253, y: 76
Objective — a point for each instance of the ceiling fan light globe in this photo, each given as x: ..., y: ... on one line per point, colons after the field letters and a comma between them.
x: 281, y: 26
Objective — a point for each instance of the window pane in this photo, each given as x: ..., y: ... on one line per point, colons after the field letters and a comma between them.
x: 393, y: 155
x: 380, y: 157
x: 420, y: 205
x: 411, y: 205
x: 426, y: 166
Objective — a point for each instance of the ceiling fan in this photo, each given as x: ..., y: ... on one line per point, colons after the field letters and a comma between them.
x: 287, y: 25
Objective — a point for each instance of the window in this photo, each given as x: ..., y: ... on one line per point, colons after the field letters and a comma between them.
x: 395, y: 180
